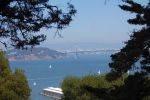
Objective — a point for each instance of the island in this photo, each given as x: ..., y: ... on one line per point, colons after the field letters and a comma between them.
x: 38, y: 53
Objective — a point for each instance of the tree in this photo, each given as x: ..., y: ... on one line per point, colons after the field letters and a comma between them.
x: 91, y: 87
x: 135, y: 55
x: 21, y: 19
x: 137, y: 49
x: 14, y: 86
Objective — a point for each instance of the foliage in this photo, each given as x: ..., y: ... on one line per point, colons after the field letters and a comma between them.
x: 14, y: 86
x: 21, y: 19
x: 75, y: 88
x: 133, y: 87
x: 135, y: 55
x: 136, y: 87
x: 137, y: 49
x: 71, y: 88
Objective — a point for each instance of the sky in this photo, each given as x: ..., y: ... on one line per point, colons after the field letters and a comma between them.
x: 96, y: 25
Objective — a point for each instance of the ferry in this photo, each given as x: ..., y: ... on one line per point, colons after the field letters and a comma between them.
x: 53, y: 92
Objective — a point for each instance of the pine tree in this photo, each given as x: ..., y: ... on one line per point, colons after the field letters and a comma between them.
x: 21, y: 19
x: 13, y: 86
x: 137, y: 49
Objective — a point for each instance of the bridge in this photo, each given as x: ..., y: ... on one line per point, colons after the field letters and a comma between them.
x: 89, y: 50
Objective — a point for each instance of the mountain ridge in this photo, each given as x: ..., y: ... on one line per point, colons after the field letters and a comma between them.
x: 38, y: 53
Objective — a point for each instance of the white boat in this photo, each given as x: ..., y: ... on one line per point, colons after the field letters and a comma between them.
x: 50, y: 66
x: 53, y: 92
x: 34, y: 83
x: 128, y: 72
x: 99, y: 72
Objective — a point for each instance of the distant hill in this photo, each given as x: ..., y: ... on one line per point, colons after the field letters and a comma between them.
x: 39, y: 53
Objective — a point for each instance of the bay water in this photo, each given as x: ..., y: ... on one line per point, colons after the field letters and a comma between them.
x: 46, y: 73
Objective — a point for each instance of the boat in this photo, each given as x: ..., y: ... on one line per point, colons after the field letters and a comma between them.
x: 99, y: 72
x: 53, y: 92
x: 34, y: 83
x: 50, y: 66
x: 128, y: 72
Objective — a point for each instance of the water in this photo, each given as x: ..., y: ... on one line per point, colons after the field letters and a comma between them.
x: 40, y: 75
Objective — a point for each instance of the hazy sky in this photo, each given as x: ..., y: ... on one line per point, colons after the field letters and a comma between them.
x: 96, y: 25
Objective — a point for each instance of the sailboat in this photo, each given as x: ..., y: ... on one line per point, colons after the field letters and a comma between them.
x: 128, y: 72
x: 99, y: 72
x: 50, y: 66
x: 34, y: 83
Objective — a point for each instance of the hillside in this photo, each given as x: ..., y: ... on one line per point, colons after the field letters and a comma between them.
x: 39, y: 53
